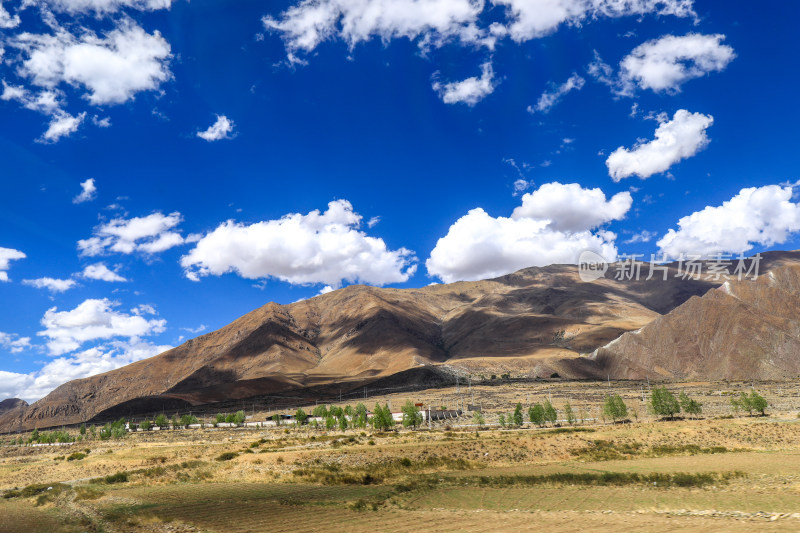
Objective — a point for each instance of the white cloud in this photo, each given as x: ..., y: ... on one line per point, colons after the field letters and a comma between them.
x: 469, y: 91
x: 100, y: 271
x: 46, y: 101
x: 113, y: 68
x: 51, y: 284
x: 150, y: 235
x: 14, y: 343
x: 534, y: 19
x: 93, y: 319
x: 301, y: 249
x: 310, y: 22
x: 571, y: 208
x: 221, y: 129
x: 7, y: 21
x: 96, y: 360
x: 107, y: 6
x: 757, y: 215
x: 664, y: 64
x: 6, y: 256
x: 550, y: 98
x: 62, y: 125
x: 88, y: 192
x: 642, y: 236
x: 675, y: 140
x: 521, y: 185
x: 553, y: 225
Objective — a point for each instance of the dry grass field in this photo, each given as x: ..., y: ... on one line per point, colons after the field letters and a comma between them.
x: 716, y: 473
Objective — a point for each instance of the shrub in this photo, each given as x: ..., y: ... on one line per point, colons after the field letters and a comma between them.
x: 146, y: 425
x: 119, y: 477
x: 77, y: 456
x: 188, y: 419
x: 227, y: 456
x: 239, y: 417
x: 301, y: 417
x: 477, y: 418
x: 664, y: 403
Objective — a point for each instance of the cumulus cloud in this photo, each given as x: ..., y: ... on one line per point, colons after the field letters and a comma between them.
x: 51, y: 284
x: 62, y: 125
x: 642, y: 236
x: 571, y: 208
x: 96, y: 360
x: 301, y: 249
x: 310, y: 22
x: 469, y: 91
x: 757, y: 215
x: 14, y: 343
x: 45, y: 101
x: 6, y: 256
x: 107, y: 6
x: 221, y: 129
x: 665, y: 64
x: 88, y: 192
x: 675, y: 140
x: 99, y: 271
x: 550, y: 98
x: 553, y: 225
x: 149, y: 235
x: 530, y: 20
x: 112, y: 68
x: 93, y: 319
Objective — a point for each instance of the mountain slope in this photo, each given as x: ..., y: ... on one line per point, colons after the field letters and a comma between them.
x: 536, y: 321
x: 742, y: 330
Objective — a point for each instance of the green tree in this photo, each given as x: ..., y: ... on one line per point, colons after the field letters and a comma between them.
x: 188, y: 419
x: 239, y: 417
x: 320, y: 411
x: 336, y: 411
x: 550, y: 413
x: 35, y: 435
x: 477, y: 418
x: 517, y: 417
x: 330, y: 422
x: 83, y: 429
x: 758, y: 402
x: 411, y: 415
x: 536, y: 414
x: 502, y: 420
x: 614, y: 407
x: 277, y: 419
x: 161, y: 420
x: 300, y: 416
x: 382, y: 418
x: 361, y: 416
x: 569, y: 414
x: 663, y: 403
x: 343, y: 422
x: 220, y: 418
x: 146, y: 425
x: 689, y: 405
x: 349, y: 411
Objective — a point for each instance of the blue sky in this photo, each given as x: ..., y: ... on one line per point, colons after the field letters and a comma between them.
x: 169, y: 166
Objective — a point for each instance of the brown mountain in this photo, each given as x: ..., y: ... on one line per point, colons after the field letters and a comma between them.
x: 742, y: 330
x: 12, y: 403
x: 537, y: 321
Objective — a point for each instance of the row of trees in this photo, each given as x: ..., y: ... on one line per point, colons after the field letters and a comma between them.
x: 662, y: 403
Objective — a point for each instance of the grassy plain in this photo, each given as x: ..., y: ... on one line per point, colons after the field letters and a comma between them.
x: 718, y: 473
